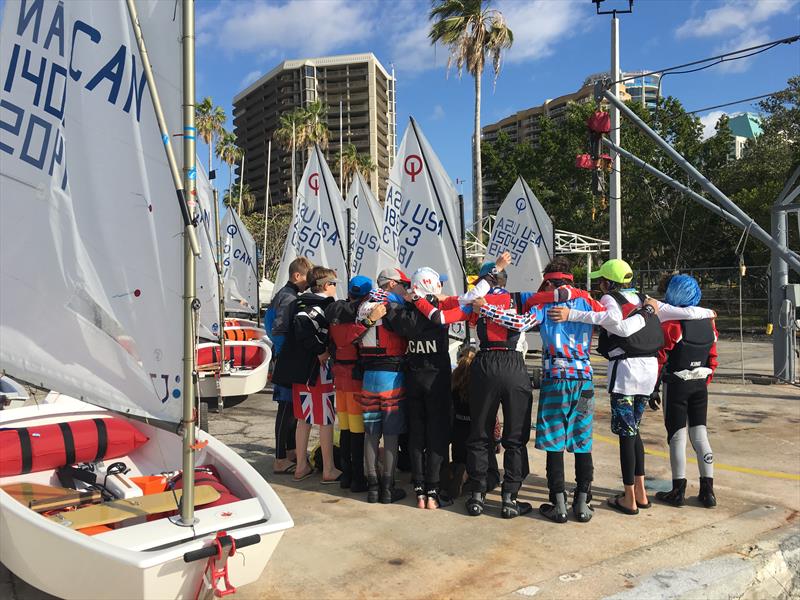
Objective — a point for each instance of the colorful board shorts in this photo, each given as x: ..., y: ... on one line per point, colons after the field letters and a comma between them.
x: 314, y: 403
x: 565, y: 415
x: 626, y: 414
x: 282, y: 394
x: 383, y: 403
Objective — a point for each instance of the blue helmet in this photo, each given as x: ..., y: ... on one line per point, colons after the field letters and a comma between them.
x: 486, y: 268
x: 683, y: 290
x: 359, y: 286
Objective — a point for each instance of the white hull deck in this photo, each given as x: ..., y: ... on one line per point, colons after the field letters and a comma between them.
x: 144, y: 560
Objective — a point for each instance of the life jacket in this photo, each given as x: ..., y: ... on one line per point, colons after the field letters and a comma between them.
x: 380, y: 340
x: 493, y: 336
x: 645, y: 342
x: 692, y: 351
x: 429, y: 339
x: 343, y: 331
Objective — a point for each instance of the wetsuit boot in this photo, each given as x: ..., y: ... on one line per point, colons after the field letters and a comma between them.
x: 389, y: 493
x: 475, y: 503
x: 359, y: 483
x: 706, y: 495
x: 346, y: 478
x: 373, y: 489
x: 581, y: 509
x: 676, y: 496
x: 435, y: 496
x: 512, y: 507
x: 419, y: 492
x: 557, y: 511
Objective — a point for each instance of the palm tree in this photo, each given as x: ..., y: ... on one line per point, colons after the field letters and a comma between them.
x: 231, y: 198
x: 472, y: 31
x: 210, y: 121
x: 315, y: 125
x: 289, y: 131
x: 228, y: 152
x: 352, y: 161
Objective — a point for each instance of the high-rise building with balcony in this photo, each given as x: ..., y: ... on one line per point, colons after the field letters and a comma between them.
x: 359, y: 82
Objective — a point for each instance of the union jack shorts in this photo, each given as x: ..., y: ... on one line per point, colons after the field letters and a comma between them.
x: 315, y: 404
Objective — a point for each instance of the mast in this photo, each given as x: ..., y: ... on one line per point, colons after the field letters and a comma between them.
x: 220, y: 299
x: 189, y: 174
x: 266, y: 215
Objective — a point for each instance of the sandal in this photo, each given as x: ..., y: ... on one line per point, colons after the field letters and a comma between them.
x: 287, y: 471
x: 332, y: 481
x: 302, y: 477
x: 614, y: 503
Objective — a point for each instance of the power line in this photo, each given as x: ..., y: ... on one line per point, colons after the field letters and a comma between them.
x: 733, y: 103
x: 719, y: 59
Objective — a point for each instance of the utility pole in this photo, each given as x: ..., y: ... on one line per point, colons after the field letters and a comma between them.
x: 615, y: 184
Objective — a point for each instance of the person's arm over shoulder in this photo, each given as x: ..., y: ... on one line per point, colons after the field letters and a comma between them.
x: 610, y: 313
x: 713, y: 361
x: 510, y: 319
x: 443, y: 317
x: 672, y: 335
x: 667, y: 312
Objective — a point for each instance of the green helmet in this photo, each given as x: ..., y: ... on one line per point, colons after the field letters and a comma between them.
x: 616, y: 270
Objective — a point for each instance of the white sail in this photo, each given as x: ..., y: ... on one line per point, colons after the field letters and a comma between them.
x: 524, y: 229
x: 421, y: 213
x: 318, y: 226
x: 239, y: 264
x: 90, y: 229
x: 206, y: 273
x: 368, y: 255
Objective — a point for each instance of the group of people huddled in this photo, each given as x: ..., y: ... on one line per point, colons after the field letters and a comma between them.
x: 379, y: 362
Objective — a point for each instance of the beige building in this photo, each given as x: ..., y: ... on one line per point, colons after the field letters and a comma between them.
x: 368, y: 117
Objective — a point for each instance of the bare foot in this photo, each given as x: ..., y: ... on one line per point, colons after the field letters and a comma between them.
x: 421, y: 501
x: 304, y: 474
x: 332, y: 475
x: 283, y: 466
x: 432, y: 504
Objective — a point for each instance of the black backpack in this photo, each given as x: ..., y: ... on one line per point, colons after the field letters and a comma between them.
x: 645, y: 342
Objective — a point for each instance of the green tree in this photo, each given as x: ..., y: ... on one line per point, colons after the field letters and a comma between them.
x: 278, y: 224
x: 210, y: 122
x: 351, y: 161
x: 314, y: 126
x: 231, y: 198
x: 228, y: 152
x: 472, y: 32
x: 290, y: 128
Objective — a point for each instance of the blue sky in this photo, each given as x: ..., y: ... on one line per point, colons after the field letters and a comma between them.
x: 557, y: 44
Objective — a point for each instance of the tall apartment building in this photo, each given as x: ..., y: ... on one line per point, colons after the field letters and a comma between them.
x: 368, y: 117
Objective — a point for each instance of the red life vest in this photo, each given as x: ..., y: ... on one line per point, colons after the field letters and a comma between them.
x: 491, y: 335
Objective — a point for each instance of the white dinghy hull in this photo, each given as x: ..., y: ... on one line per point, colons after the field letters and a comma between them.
x: 143, y: 560
x: 249, y: 375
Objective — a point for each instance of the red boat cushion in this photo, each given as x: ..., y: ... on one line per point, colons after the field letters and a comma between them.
x: 44, y: 447
x: 204, y: 475
x: 242, y: 355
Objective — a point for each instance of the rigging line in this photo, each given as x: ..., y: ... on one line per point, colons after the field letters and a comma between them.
x: 691, y: 112
x: 680, y: 240
x: 456, y: 247
x: 767, y: 46
x: 536, y: 220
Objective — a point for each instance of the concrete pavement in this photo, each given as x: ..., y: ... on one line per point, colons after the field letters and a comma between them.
x: 342, y: 547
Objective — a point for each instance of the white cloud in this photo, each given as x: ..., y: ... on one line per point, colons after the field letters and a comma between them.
x: 438, y: 113
x: 538, y: 26
x: 302, y: 27
x: 709, y: 122
x: 250, y: 78
x: 747, y: 39
x: 732, y: 16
